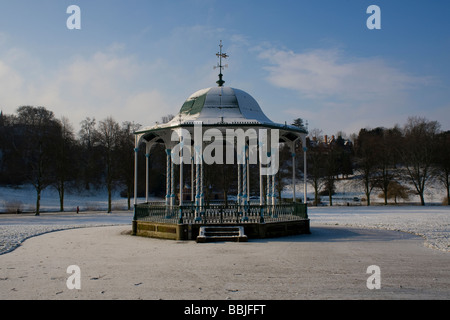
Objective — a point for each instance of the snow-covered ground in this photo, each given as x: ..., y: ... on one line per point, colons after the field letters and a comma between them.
x: 14, y: 229
x: 432, y: 222
x: 348, y: 190
x: 24, y: 199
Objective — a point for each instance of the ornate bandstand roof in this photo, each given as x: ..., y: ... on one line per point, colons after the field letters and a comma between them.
x: 221, y: 107
x: 219, y: 110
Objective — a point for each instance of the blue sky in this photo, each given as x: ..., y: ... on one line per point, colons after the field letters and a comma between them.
x: 139, y: 60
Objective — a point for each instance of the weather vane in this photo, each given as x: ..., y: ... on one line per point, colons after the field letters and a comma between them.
x: 221, y: 55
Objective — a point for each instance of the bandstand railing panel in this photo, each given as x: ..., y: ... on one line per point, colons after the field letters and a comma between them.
x: 219, y: 213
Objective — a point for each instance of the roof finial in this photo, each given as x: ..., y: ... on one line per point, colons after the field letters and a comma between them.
x: 221, y: 55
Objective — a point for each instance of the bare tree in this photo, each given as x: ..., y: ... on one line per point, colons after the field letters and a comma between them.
x: 108, y: 136
x: 316, y: 168
x: 125, y: 157
x: 442, y: 162
x: 40, y: 130
x: 368, y: 149
x: 282, y: 173
x: 90, y: 166
x: 417, y: 151
x: 330, y: 173
x: 167, y: 118
x: 64, y: 154
x: 316, y: 135
x: 387, y: 159
x: 396, y: 190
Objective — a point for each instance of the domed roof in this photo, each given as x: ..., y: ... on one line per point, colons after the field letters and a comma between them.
x: 218, y: 106
x: 221, y: 105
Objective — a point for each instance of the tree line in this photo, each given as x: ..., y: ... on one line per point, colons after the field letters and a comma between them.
x: 38, y: 149
x: 383, y: 159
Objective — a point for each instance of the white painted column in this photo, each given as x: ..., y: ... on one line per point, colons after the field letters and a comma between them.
x: 202, y: 192
x: 268, y: 190
x: 136, y: 150
x: 305, y: 174
x: 146, y: 176
x: 261, y: 186
x: 197, y: 186
x: 244, y: 178
x: 168, y: 172
x: 192, y: 178
x: 172, y: 183
x: 248, y: 174
x: 147, y: 173
x: 274, y: 195
x: 272, y: 177
x: 293, y: 171
x: 181, y: 168
x: 239, y: 191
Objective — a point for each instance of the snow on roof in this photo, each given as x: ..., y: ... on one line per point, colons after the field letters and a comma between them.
x: 221, y: 105
x: 224, y: 106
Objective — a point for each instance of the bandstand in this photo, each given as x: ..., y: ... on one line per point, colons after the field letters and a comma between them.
x: 220, y: 125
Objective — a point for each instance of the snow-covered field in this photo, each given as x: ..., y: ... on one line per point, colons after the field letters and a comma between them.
x: 14, y: 229
x: 24, y: 199
x: 349, y: 189
x: 432, y: 222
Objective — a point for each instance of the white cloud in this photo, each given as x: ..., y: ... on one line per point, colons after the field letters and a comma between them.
x: 340, y: 92
x: 110, y: 81
x: 107, y: 83
x: 10, y: 82
x: 327, y: 73
x: 150, y: 106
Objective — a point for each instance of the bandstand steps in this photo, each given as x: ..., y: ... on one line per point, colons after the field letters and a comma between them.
x: 219, y: 233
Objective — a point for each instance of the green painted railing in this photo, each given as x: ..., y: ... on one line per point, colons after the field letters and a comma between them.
x: 219, y: 213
